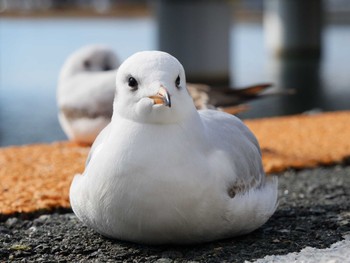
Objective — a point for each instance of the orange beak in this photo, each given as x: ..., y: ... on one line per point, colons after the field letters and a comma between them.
x: 162, y: 97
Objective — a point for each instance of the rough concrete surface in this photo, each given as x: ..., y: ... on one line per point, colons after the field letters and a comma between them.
x: 314, y: 211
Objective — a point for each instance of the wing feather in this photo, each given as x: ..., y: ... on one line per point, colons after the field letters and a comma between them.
x: 231, y: 136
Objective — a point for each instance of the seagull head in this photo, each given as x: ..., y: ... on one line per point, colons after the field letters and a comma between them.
x: 151, y: 88
x: 92, y: 58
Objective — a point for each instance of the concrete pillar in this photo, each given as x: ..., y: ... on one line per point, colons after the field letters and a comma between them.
x: 198, y: 34
x: 302, y: 75
x: 293, y: 27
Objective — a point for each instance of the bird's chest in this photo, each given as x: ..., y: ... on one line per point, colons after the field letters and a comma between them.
x: 158, y: 153
x: 146, y: 171
x: 161, y: 153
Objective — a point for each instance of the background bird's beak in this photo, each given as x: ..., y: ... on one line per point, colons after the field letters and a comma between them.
x: 162, y: 97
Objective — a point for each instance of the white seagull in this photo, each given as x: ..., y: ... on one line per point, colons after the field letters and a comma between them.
x: 162, y: 172
x: 85, y: 92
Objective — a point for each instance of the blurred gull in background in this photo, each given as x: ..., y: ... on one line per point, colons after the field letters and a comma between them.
x: 86, y: 91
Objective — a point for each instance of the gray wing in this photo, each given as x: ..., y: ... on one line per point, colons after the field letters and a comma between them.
x: 231, y: 136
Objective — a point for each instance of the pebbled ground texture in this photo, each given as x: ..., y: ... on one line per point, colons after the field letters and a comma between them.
x: 314, y: 211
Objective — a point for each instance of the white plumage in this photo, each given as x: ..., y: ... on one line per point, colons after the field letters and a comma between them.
x: 85, y: 92
x: 163, y: 172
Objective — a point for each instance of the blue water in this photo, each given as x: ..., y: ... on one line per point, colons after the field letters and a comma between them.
x: 32, y: 52
x: 31, y: 55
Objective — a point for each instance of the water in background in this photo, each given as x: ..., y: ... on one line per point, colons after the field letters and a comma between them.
x: 32, y: 52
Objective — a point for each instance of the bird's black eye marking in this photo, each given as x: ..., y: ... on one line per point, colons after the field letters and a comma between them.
x: 132, y: 82
x: 87, y: 64
x: 106, y: 67
x: 177, y: 82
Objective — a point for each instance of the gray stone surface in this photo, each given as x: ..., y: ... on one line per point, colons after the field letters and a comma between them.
x: 314, y: 211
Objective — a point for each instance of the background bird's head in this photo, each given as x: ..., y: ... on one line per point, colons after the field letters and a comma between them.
x: 151, y: 88
x: 92, y: 58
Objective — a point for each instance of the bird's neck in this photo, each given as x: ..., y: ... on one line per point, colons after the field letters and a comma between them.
x: 191, y: 126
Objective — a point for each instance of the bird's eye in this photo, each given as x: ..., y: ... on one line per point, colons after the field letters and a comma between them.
x: 87, y: 64
x: 106, y: 67
x: 132, y: 82
x: 177, y: 82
